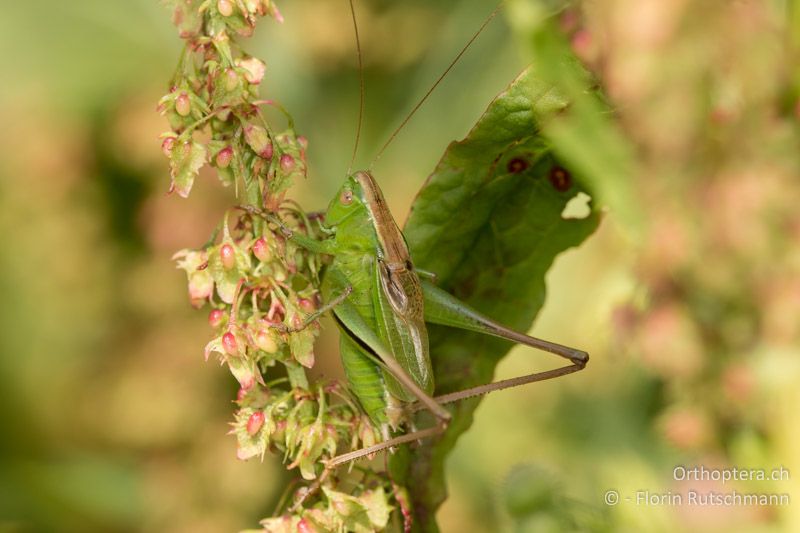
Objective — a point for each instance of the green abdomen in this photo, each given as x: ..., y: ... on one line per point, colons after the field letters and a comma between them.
x: 364, y: 377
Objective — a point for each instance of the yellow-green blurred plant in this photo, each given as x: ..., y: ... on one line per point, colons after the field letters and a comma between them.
x: 262, y: 289
x: 718, y: 174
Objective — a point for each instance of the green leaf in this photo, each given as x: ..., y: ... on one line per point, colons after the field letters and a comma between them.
x: 249, y: 446
x: 301, y: 344
x: 186, y: 161
x: 488, y: 222
x: 377, y: 506
x: 352, y: 512
x: 587, y: 135
x: 187, y: 17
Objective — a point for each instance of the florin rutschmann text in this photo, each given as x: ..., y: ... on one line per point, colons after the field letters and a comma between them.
x: 693, y: 496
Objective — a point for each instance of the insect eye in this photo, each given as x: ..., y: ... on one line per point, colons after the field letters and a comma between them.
x: 346, y: 198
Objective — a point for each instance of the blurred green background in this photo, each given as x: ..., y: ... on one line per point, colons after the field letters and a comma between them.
x: 690, y: 308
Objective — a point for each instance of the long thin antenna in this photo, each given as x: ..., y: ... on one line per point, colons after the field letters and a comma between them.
x: 436, y: 84
x: 360, y: 87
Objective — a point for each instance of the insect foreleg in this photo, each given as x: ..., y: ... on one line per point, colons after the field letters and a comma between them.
x: 310, y: 319
x: 327, y: 246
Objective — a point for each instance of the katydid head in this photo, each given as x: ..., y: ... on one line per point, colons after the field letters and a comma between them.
x: 347, y: 202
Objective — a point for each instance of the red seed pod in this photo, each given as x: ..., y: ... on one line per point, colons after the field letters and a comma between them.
x: 306, y: 526
x: 287, y: 163
x: 258, y: 139
x: 225, y: 8
x: 215, y: 318
x: 166, y: 146
x: 228, y: 256
x: 224, y: 157
x: 261, y: 250
x: 307, y: 305
x: 241, y: 394
x: 255, y: 423
x: 230, y: 344
x: 183, y: 106
x: 247, y: 381
x: 297, y: 322
x: 267, y: 152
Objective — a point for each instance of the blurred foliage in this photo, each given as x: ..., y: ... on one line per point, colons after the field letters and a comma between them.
x: 688, y: 301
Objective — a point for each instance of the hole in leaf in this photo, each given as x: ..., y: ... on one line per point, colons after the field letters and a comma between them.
x: 577, y: 207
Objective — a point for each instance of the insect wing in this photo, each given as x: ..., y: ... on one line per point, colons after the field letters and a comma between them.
x: 401, y: 326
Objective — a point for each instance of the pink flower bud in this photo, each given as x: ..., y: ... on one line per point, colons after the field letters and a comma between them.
x: 258, y: 139
x: 287, y: 162
x: 255, y: 422
x: 266, y: 342
x: 228, y: 256
x: 225, y: 8
x: 582, y: 44
x: 246, y: 381
x: 166, y: 146
x: 182, y: 105
x: 261, y: 249
x: 305, y: 526
x: 297, y: 322
x: 241, y: 394
x: 230, y: 344
x: 303, y: 142
x: 215, y: 318
x: 307, y: 305
x: 224, y: 157
x: 267, y: 152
